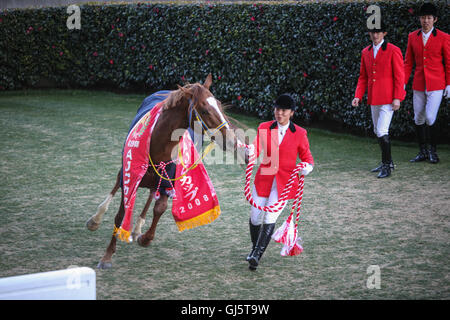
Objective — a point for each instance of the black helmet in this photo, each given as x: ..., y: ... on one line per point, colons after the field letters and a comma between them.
x: 428, y: 9
x: 284, y: 101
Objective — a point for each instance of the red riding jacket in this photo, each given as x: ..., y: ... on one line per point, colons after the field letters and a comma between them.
x: 430, y: 71
x: 279, y: 160
x: 382, y: 76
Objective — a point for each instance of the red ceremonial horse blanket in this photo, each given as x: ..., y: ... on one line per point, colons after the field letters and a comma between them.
x: 195, y: 201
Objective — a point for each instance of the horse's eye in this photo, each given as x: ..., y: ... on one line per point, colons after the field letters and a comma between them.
x: 204, y: 112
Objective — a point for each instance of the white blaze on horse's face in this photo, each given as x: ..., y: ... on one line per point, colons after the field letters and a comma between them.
x: 213, y: 103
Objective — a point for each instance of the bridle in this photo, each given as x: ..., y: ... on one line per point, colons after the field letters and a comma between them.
x: 205, y: 128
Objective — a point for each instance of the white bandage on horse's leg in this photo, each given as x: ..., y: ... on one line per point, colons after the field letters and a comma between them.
x: 138, y: 226
x: 102, y: 208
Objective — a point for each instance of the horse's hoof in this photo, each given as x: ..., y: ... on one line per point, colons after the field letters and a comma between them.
x: 143, y: 243
x: 104, y: 265
x: 92, y: 225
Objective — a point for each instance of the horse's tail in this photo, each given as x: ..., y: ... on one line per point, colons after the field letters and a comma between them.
x: 117, y: 185
x: 94, y: 222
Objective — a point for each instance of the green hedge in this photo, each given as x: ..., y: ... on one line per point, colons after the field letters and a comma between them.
x: 254, y: 51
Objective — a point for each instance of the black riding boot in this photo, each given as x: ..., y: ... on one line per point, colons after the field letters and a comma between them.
x: 391, y: 164
x: 422, y: 139
x: 432, y: 138
x: 254, y: 233
x: 386, y: 157
x: 261, y: 245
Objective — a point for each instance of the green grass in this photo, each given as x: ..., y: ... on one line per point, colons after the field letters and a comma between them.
x: 59, y: 154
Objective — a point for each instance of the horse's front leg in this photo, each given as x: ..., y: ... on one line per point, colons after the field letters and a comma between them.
x: 160, y: 206
x: 106, y: 261
x: 137, y: 230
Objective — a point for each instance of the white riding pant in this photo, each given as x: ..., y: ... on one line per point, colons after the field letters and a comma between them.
x: 256, y: 216
x: 426, y: 106
x: 381, y: 118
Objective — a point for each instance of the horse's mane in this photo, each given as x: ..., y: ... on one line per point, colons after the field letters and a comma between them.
x: 196, y: 89
x: 198, y: 92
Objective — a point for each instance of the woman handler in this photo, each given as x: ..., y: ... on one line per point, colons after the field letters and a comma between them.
x: 282, y: 142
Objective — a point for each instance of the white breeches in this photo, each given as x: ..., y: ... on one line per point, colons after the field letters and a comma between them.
x: 426, y: 106
x: 256, y: 216
x: 381, y: 118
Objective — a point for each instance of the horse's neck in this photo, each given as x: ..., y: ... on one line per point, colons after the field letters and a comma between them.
x: 170, y: 125
x: 175, y: 118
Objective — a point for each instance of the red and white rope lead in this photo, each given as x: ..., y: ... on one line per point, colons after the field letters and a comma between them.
x: 282, y: 199
x: 162, y: 166
x: 291, y: 246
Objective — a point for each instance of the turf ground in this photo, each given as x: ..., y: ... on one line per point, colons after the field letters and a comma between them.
x: 59, y: 154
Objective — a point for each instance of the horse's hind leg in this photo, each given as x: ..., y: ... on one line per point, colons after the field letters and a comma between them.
x: 94, y: 222
x: 159, y: 208
x: 106, y: 261
x: 137, y: 230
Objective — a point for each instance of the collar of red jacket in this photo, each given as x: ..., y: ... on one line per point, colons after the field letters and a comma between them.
x: 383, y: 46
x: 291, y: 126
x: 433, y: 32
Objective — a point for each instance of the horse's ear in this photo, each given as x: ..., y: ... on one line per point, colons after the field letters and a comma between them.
x: 208, y: 81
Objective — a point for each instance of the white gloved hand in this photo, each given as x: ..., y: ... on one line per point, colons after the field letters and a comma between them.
x: 250, y: 150
x: 306, y: 170
x: 447, y: 92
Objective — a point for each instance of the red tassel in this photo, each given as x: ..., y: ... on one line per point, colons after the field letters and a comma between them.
x: 287, y: 233
x: 280, y: 235
x: 295, y: 250
x: 292, y: 249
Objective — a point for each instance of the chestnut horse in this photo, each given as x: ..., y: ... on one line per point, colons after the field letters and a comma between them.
x: 174, y: 115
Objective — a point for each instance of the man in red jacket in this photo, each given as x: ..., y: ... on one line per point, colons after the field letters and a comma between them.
x: 429, y: 49
x: 282, y: 142
x: 381, y: 73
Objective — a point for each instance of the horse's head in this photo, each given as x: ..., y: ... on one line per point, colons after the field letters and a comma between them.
x: 206, y: 109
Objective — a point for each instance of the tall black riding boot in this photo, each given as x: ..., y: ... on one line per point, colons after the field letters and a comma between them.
x: 422, y: 139
x: 391, y: 164
x: 254, y: 233
x: 432, y: 138
x: 386, y: 157
x: 261, y: 245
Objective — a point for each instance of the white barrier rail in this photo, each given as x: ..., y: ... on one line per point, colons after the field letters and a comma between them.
x: 68, y: 284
